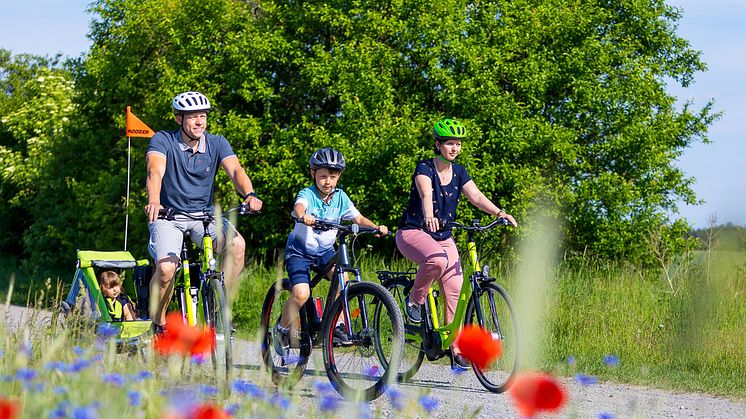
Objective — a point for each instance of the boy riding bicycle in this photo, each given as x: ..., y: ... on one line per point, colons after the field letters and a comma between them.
x: 307, y: 247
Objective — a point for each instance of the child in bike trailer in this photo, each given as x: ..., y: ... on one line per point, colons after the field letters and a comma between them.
x: 307, y: 247
x: 120, y: 307
x: 437, y: 185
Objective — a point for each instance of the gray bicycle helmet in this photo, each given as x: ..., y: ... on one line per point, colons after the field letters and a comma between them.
x: 327, y: 158
x: 190, y: 102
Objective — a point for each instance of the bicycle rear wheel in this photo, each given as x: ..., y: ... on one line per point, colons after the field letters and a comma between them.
x: 286, y: 369
x: 412, y: 355
x: 354, y: 368
x: 499, y: 319
x: 217, y: 316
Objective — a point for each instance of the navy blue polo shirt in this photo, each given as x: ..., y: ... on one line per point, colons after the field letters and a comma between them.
x: 190, y: 177
x: 445, y: 198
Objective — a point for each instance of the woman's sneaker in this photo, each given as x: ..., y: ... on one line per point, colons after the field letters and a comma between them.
x: 413, y: 312
x: 280, y: 340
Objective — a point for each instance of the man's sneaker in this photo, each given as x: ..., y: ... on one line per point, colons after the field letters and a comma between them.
x: 280, y: 340
x: 413, y: 312
x: 158, y: 329
x: 340, y: 335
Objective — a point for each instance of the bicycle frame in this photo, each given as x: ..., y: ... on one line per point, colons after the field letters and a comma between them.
x: 341, y: 263
x: 447, y: 334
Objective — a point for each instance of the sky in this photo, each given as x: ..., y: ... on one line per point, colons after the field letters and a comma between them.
x: 714, y: 27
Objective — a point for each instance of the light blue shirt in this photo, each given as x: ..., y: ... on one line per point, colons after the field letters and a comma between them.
x: 304, y: 240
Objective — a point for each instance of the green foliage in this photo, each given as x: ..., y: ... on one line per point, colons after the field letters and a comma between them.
x: 564, y: 102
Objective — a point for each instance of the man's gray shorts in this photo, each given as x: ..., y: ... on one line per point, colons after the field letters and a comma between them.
x: 166, y: 236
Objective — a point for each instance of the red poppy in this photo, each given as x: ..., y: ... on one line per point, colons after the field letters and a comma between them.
x: 9, y: 409
x: 182, y: 339
x: 478, y: 346
x: 203, y: 411
x: 537, y: 392
x: 208, y: 411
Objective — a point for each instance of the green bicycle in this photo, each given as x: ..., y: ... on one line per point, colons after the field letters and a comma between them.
x: 482, y: 301
x: 199, y: 289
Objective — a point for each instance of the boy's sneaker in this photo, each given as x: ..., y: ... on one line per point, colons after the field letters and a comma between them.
x: 459, y: 363
x: 340, y: 335
x: 280, y: 340
x: 413, y: 312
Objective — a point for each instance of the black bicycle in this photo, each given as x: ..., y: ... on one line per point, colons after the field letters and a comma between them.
x: 352, y: 365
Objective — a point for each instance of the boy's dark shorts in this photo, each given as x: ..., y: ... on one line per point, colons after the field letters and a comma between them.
x: 299, y: 266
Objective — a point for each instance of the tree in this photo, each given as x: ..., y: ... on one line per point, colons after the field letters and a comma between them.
x: 565, y: 103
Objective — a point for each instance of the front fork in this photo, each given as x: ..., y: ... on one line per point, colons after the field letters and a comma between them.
x: 344, y: 288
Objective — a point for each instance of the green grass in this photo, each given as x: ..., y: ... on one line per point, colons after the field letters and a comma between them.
x: 689, y: 338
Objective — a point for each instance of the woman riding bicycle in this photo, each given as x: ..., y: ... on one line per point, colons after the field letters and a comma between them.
x: 437, y: 185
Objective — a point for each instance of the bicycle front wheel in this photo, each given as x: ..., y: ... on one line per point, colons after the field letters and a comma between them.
x: 218, y: 318
x: 500, y: 320
x: 353, y: 366
x: 412, y: 355
x: 286, y: 365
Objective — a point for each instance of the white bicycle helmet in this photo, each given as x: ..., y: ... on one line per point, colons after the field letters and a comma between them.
x: 190, y: 102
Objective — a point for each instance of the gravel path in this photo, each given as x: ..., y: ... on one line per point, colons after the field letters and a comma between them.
x: 463, y: 396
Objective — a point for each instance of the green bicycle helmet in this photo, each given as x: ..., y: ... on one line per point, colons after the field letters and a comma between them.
x: 448, y: 128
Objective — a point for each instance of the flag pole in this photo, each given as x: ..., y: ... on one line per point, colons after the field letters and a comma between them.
x: 127, y: 200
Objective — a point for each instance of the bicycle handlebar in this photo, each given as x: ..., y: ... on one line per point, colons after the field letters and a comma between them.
x: 207, y: 215
x: 475, y: 225
x: 346, y: 228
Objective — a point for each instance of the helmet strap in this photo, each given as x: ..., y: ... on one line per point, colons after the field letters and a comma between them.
x: 440, y: 156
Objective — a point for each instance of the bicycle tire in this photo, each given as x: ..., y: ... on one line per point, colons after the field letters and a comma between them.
x: 217, y: 317
x: 501, y: 321
x: 412, y: 351
x: 353, y: 369
x: 285, y: 370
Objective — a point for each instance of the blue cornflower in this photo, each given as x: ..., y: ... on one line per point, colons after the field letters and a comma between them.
x: 26, y: 349
x: 278, y: 400
x: 26, y: 374
x: 59, y: 390
x: 585, y: 379
x: 107, y: 330
x: 78, y: 350
x: 79, y: 365
x: 428, y: 403
x: 2, y: 353
x: 571, y: 361
x: 134, y: 397
x: 605, y: 415
x: 208, y: 390
x: 144, y: 375
x: 397, y: 398
x: 372, y: 371
x: 6, y: 378
x: 611, y: 360
x: 232, y: 410
x: 248, y: 388
x: 198, y: 359
x: 60, y: 411
x: 56, y: 365
x: 323, y: 387
x: 97, y: 358
x: 114, y: 378
x: 85, y: 412
x: 328, y: 403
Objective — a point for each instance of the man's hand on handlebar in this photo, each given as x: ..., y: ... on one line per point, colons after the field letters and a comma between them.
x: 509, y: 218
x: 384, y: 230
x: 253, y: 202
x: 308, y: 219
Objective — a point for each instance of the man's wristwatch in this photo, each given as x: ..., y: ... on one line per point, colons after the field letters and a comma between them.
x: 252, y: 193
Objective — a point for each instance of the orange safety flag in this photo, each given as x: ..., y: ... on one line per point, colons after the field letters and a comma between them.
x: 137, y: 128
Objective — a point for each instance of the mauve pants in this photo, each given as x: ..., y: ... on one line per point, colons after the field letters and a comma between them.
x: 437, y: 260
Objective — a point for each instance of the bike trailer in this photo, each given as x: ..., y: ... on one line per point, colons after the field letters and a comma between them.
x: 86, y: 300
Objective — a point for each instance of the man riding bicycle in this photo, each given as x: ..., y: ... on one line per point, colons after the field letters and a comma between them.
x: 182, y: 165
